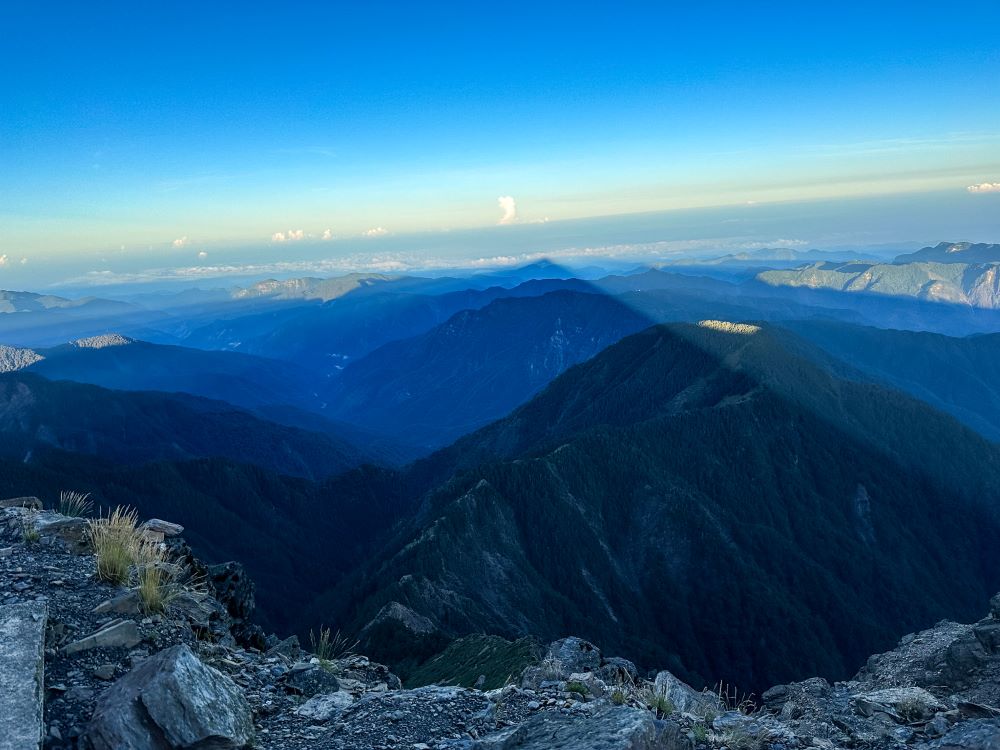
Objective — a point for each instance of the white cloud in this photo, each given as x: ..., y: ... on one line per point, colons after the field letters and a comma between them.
x: 770, y: 244
x: 202, y: 255
x: 4, y: 259
x: 509, y: 208
x: 290, y: 236
x: 24, y: 261
x: 327, y: 234
x: 985, y: 187
x: 375, y: 232
x: 180, y: 241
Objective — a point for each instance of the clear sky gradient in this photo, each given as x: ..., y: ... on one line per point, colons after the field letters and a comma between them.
x: 214, y: 128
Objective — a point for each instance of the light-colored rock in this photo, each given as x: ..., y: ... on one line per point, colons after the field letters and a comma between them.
x: 30, y: 502
x: 171, y: 700
x: 121, y: 634
x: 163, y: 527
x: 22, y: 663
x: 904, y: 704
x: 325, y: 706
x: 127, y: 603
x: 683, y: 697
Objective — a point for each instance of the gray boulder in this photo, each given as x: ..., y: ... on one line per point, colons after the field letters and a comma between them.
x: 575, y: 655
x: 563, y: 658
x: 171, y: 700
x: 310, y: 679
x: 683, y: 697
x: 618, y: 671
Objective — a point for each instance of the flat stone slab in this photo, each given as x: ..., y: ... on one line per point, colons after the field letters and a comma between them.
x: 22, y: 669
x: 121, y: 634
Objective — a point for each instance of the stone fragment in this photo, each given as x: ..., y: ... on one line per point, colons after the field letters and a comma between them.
x: 121, y: 634
x: 159, y: 526
x: 126, y: 603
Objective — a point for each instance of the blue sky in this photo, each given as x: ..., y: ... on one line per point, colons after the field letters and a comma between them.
x: 214, y: 130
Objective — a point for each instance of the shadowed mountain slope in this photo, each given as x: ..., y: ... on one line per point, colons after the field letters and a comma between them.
x: 135, y: 427
x: 705, y: 497
x: 477, y: 366
x: 960, y: 376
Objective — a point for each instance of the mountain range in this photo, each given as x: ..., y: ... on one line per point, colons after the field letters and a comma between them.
x: 757, y: 499
x: 711, y: 488
x: 954, y: 252
x: 957, y: 283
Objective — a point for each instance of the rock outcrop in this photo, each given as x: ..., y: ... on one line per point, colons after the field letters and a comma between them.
x: 171, y: 700
x: 119, y: 676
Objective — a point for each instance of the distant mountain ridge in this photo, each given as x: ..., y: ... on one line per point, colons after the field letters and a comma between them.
x: 309, y: 287
x: 974, y: 285
x: 954, y: 252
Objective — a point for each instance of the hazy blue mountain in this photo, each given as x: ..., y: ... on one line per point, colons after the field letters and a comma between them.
x: 477, y: 366
x: 32, y: 320
x: 705, y: 497
x: 240, y: 379
x: 325, y: 337
x: 954, y: 252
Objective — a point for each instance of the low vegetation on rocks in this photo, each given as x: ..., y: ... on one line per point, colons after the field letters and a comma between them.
x: 121, y: 671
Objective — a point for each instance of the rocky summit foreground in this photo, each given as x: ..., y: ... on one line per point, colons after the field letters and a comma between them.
x: 85, y: 664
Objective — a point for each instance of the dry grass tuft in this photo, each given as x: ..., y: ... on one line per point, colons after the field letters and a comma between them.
x: 116, y: 539
x: 331, y: 646
x: 75, y: 504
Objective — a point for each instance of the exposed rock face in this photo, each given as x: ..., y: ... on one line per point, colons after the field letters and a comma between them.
x: 967, y: 283
x: 172, y: 700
